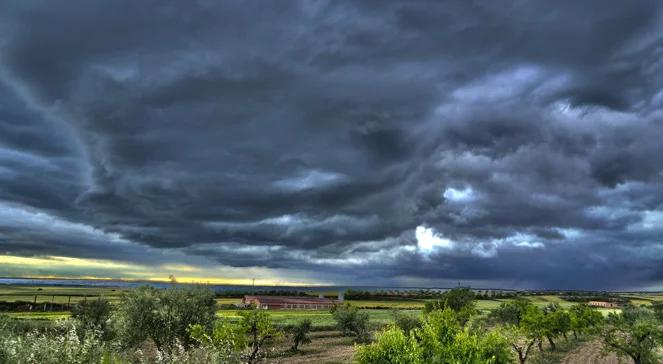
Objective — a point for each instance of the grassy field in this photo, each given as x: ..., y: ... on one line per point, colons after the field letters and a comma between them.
x: 56, y: 294
x: 319, y: 318
x: 39, y: 315
x: 379, y: 309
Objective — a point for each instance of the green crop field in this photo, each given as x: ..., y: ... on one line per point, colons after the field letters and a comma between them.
x: 378, y: 309
x: 55, y: 294
x: 404, y: 303
x: 39, y: 315
x: 319, y: 318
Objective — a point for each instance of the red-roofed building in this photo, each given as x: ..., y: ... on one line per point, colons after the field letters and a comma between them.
x: 289, y: 303
x: 602, y: 304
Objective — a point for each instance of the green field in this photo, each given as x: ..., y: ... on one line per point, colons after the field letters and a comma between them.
x: 378, y: 309
x: 56, y: 294
x: 39, y: 315
x: 319, y: 318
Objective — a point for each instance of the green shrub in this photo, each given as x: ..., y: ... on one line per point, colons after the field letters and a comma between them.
x: 92, y: 314
x: 163, y: 315
x: 351, y: 321
x: 392, y: 346
x: 440, y: 339
x: 459, y: 300
x: 63, y: 346
x: 226, y: 340
x: 406, y: 322
x: 443, y: 340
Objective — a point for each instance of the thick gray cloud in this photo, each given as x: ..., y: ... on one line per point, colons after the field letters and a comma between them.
x: 506, y: 143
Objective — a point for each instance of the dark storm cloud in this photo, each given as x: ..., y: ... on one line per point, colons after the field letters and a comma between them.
x: 405, y: 141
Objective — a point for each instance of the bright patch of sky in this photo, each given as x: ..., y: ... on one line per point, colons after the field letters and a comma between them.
x: 309, y: 179
x: 459, y: 195
x: 428, y: 240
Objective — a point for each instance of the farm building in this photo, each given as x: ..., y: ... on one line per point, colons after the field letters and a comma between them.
x: 602, y: 304
x: 289, y: 303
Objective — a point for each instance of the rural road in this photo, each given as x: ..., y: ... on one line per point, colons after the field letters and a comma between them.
x: 589, y: 353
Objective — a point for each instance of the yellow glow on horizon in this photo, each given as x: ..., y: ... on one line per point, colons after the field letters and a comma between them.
x: 57, y: 260
x: 56, y: 267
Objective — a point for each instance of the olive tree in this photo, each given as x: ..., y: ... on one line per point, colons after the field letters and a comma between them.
x: 351, y: 321
x: 511, y: 312
x: 257, y: 325
x: 163, y: 315
x: 299, y: 333
x: 584, y: 319
x: 633, y: 333
x: 521, y: 341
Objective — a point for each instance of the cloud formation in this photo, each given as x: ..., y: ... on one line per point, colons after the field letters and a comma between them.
x: 504, y: 143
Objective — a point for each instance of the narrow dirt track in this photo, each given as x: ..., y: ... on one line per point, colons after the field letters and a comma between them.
x: 589, y: 353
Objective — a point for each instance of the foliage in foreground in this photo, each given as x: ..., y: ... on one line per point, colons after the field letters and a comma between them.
x: 440, y: 339
x: 234, y: 342
x: 55, y: 347
x: 634, y: 334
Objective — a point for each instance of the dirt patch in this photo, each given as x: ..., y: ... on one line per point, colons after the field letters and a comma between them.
x: 327, y: 347
x: 589, y: 353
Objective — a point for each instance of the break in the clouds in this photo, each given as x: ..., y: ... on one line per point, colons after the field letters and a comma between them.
x: 505, y: 143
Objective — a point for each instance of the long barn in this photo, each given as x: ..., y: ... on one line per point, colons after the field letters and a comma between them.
x: 289, y: 303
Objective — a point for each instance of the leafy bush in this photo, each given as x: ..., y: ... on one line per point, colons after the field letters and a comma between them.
x: 440, y: 339
x: 227, y: 340
x: 163, y: 315
x: 391, y: 346
x: 70, y: 347
x: 351, y: 321
x: 405, y: 322
x: 93, y: 314
x: 459, y: 300
x: 657, y: 307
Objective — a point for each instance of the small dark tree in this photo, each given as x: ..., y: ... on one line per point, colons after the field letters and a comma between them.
x: 521, y: 341
x: 351, y: 321
x: 92, y: 313
x: 259, y: 327
x: 460, y: 300
x: 456, y: 299
x: 657, y: 307
x: 511, y: 312
x: 300, y: 333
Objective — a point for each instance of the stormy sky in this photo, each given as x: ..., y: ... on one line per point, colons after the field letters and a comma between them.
x: 497, y: 143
